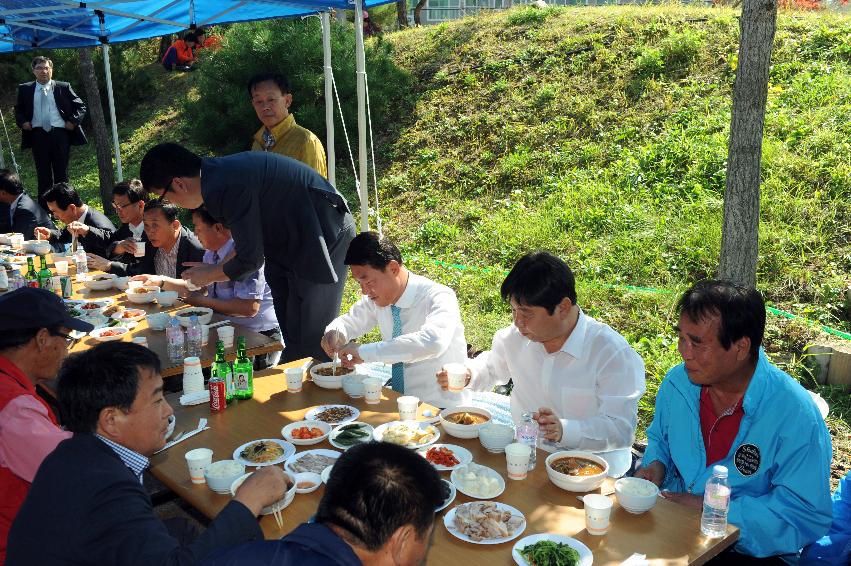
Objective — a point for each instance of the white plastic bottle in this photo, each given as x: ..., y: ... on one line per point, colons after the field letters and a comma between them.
x: 174, y: 334
x: 527, y: 433
x: 716, y: 502
x: 193, y: 337
x: 80, y: 260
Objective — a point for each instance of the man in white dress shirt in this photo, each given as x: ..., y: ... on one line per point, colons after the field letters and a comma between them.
x: 419, y: 320
x: 579, y: 377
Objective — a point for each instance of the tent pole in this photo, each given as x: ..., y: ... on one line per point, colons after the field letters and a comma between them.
x: 329, y: 97
x: 105, y: 49
x: 360, y: 59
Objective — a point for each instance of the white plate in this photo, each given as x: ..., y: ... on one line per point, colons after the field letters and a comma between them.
x: 318, y: 451
x: 335, y: 444
x: 449, y: 523
x: 326, y: 473
x: 585, y: 556
x: 448, y: 501
x: 287, y: 431
x: 479, y: 469
x: 119, y: 316
x: 289, y: 450
x: 378, y: 434
x: 311, y: 414
x: 461, y: 454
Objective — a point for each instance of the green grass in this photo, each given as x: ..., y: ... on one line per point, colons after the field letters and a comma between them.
x: 601, y: 134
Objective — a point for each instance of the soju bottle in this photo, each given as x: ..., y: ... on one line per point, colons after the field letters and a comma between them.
x: 31, y: 276
x: 222, y: 369
x: 243, y: 372
x: 44, y: 276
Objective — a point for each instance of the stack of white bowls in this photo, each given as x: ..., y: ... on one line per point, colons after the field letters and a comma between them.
x: 495, y: 437
x: 193, y: 377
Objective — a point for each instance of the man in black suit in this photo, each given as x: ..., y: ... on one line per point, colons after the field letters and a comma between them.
x: 87, y: 504
x: 24, y: 214
x: 49, y: 114
x: 128, y: 200
x: 277, y: 209
x: 65, y: 204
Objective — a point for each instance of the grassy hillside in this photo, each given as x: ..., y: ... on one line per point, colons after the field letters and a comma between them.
x: 600, y: 134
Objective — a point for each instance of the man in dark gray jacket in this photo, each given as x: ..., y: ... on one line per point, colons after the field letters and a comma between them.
x: 278, y: 210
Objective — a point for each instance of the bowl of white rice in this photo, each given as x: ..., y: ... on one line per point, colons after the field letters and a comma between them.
x: 636, y: 495
x: 220, y: 475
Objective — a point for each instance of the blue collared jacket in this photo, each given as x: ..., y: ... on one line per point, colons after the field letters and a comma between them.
x: 779, y: 463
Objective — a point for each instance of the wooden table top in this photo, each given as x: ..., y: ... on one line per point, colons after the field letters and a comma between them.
x: 255, y: 343
x: 668, y: 534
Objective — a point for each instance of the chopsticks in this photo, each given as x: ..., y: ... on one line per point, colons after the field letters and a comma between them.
x: 278, y: 519
x: 221, y: 322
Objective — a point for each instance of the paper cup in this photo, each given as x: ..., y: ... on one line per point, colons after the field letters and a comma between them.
x: 372, y: 390
x: 598, y: 511
x: 295, y: 377
x: 61, y: 267
x: 141, y: 340
x: 225, y: 334
x: 140, y: 250
x: 198, y: 460
x: 517, y: 457
x: 193, y: 376
x: 408, y: 407
x: 457, y: 374
x: 205, y: 334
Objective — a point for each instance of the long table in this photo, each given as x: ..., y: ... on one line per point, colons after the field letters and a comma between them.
x: 667, y: 534
x: 256, y: 344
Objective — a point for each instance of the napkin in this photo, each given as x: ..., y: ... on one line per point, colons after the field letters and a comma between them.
x: 195, y: 398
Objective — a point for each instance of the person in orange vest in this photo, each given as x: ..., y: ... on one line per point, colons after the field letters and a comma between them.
x: 180, y: 55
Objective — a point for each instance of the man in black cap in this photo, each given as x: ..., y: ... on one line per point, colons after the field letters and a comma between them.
x: 34, y: 339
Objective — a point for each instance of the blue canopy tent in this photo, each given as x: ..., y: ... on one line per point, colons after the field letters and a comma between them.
x: 54, y: 24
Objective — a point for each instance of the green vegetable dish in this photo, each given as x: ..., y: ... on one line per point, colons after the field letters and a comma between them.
x: 352, y: 434
x: 549, y: 553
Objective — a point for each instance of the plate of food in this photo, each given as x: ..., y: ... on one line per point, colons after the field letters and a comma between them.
x: 264, y: 452
x: 449, y: 493
x: 127, y: 315
x: 106, y: 334
x: 313, y: 461
x: 446, y: 457
x: 332, y: 414
x: 350, y: 434
x: 547, y: 548
x: 485, y: 522
x: 305, y: 433
x: 478, y: 481
x: 411, y: 434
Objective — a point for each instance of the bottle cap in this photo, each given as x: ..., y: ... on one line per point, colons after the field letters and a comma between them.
x: 720, y: 471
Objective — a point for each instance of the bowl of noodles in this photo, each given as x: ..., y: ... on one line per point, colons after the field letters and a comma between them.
x: 573, y: 470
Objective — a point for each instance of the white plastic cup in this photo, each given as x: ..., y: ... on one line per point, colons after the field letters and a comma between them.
x: 61, y: 267
x: 198, y: 460
x: 193, y: 377
x: 372, y: 390
x: 140, y: 250
x: 225, y: 334
x: 295, y: 377
x: 408, y: 407
x: 16, y: 240
x: 205, y: 334
x: 141, y: 340
x: 598, y: 512
x: 517, y: 457
x: 457, y: 374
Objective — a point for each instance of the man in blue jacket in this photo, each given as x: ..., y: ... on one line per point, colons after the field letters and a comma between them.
x: 726, y: 404
x: 834, y: 548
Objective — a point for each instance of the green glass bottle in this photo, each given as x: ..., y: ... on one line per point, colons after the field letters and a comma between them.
x: 243, y: 372
x: 31, y: 276
x: 223, y: 370
x: 44, y: 276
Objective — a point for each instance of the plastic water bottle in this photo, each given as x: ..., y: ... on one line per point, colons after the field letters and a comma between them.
x: 174, y: 333
x: 716, y: 502
x: 193, y: 337
x: 527, y: 433
x: 80, y: 260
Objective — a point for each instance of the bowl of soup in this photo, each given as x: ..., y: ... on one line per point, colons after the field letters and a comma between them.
x: 464, y: 421
x: 328, y: 375
x: 573, y: 470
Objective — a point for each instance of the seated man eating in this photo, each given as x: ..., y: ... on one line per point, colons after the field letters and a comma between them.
x: 726, y: 404
x: 581, y: 379
x: 128, y: 200
x: 419, y: 320
x: 65, y: 204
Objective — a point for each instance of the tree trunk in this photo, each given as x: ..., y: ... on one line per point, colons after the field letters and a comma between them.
x: 417, y: 9
x: 402, y: 13
x: 740, y: 232
x: 165, y: 43
x: 99, y: 131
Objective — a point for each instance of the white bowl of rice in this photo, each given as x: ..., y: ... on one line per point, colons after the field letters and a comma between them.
x: 220, y: 475
x: 636, y: 495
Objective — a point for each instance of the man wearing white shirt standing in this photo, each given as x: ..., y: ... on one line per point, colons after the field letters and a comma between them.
x: 419, y: 320
x: 580, y: 378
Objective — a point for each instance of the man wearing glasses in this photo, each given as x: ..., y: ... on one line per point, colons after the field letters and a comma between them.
x: 128, y: 200
x: 34, y: 339
x: 49, y: 114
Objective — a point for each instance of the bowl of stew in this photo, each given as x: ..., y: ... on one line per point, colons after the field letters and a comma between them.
x: 573, y: 470
x: 464, y: 421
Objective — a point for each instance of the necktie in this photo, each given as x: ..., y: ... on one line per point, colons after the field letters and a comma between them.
x: 397, y: 379
x: 45, y: 110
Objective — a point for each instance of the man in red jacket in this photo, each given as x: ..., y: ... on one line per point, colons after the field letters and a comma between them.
x: 34, y: 339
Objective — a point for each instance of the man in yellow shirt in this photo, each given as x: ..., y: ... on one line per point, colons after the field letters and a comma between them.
x: 271, y: 98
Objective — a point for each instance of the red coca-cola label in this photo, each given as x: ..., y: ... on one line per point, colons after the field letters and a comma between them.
x: 218, y: 402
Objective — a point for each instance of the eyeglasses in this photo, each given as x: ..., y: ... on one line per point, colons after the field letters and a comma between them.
x: 69, y: 341
x: 120, y: 207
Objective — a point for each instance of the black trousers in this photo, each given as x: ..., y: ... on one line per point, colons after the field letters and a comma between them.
x: 305, y: 308
x: 50, y: 153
